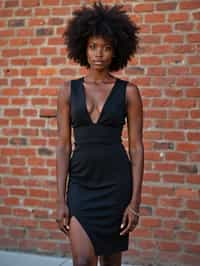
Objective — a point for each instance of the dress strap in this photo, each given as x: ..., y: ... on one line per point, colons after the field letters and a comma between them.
x: 123, y: 85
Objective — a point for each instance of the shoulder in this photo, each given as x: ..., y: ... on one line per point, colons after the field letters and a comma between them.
x: 64, y: 90
x: 133, y: 93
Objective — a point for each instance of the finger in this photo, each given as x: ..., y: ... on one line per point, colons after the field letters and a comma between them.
x: 67, y: 222
x: 64, y: 229
x: 133, y: 225
x: 126, y: 229
x: 124, y: 220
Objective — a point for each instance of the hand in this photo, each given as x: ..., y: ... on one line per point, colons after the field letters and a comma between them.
x: 129, y: 221
x: 62, y: 218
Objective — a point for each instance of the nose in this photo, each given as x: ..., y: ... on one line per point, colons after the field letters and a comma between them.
x: 98, y: 52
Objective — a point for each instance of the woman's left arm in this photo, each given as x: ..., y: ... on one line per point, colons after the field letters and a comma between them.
x: 136, y: 152
x: 135, y: 141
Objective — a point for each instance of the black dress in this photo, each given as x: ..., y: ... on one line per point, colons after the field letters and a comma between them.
x: 100, y: 179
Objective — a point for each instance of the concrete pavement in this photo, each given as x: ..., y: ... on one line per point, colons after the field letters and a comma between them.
x: 8, y: 258
x: 12, y: 258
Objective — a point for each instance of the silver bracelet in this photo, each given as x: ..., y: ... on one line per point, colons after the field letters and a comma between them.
x: 134, y: 212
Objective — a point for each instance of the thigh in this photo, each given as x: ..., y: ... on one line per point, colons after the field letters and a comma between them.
x: 112, y: 260
x: 82, y: 249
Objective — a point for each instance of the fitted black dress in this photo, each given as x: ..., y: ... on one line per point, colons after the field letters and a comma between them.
x: 100, y: 179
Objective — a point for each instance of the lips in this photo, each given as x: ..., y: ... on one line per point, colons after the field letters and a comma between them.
x: 98, y: 62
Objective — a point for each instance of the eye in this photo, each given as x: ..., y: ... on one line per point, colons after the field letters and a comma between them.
x: 108, y: 48
x: 92, y: 46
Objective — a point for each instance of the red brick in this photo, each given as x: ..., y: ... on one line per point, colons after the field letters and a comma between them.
x: 193, y: 179
x: 166, y: 6
x: 194, y: 37
x: 21, y: 212
x: 10, y: 52
x: 48, y: 225
x: 185, y: 103
x: 161, y: 191
x: 30, y: 3
x: 173, y: 38
x: 195, y: 113
x: 150, y: 60
x: 171, y: 202
x: 193, y: 92
x: 161, y: 28
x: 150, y: 39
x: 18, y: 191
x: 147, y: 7
x: 28, y: 51
x: 163, y: 212
x: 173, y: 17
x: 187, y: 124
x: 195, y: 70
x: 11, y: 201
x: 6, y: 12
x: 157, y: 71
x: 173, y: 223
x: 152, y: 222
x: 193, y: 204
x: 164, y: 234
x: 164, y: 166
x: 35, y: 234
x: 193, y: 226
x: 186, y: 193
x: 175, y: 156
x: 192, y: 4
x: 192, y: 248
x: 150, y: 18
x: 188, y: 147
x: 155, y: 156
x: 17, y: 233
x: 196, y: 15
x: 51, y: 2
x: 186, y: 236
x: 72, y: 2
x: 18, y: 42
x: 40, y: 213
x: 24, y: 32
x: 40, y: 193
x: 152, y: 201
x: 3, y: 192
x: 184, y: 26
x: 162, y: 49
x: 188, y: 214
x: 169, y: 246
x: 42, y: 11
x: 11, y: 181
x: 146, y: 244
x: 184, y: 48
x: 39, y: 171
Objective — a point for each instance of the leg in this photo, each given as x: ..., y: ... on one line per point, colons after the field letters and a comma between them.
x: 82, y: 249
x: 112, y: 260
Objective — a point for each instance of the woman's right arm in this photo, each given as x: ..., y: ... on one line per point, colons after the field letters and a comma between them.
x: 63, y: 148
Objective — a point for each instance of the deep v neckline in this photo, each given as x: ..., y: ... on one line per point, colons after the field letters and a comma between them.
x: 104, y: 105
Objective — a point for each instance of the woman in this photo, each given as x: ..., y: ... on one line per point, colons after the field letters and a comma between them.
x: 101, y: 205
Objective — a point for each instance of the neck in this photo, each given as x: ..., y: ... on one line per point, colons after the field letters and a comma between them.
x: 94, y: 75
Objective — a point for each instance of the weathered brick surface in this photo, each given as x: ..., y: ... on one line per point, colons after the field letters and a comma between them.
x: 166, y: 69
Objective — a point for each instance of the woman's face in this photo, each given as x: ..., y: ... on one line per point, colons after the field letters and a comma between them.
x: 99, y: 52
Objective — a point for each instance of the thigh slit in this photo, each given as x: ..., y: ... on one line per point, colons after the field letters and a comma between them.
x: 85, y: 230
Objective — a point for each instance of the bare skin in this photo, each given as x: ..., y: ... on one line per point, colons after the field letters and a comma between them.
x: 97, y: 84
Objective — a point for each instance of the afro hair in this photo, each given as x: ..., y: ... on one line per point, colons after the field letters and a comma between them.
x: 108, y: 22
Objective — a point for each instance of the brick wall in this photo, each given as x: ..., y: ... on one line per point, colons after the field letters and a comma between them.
x: 166, y: 69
